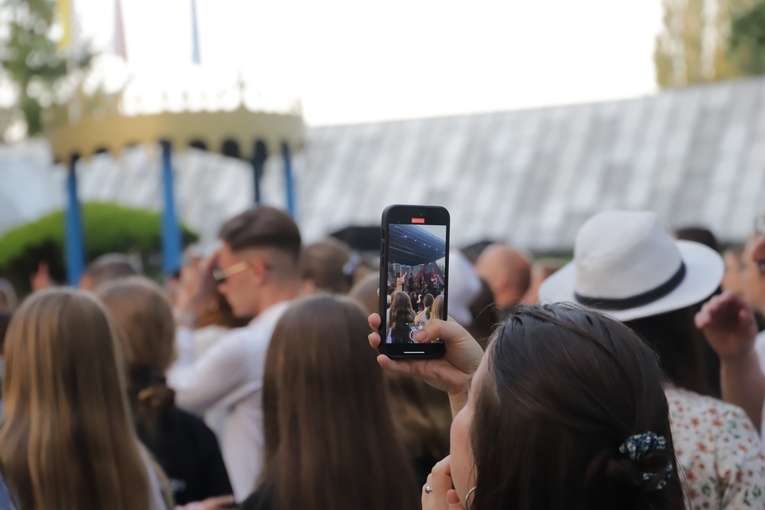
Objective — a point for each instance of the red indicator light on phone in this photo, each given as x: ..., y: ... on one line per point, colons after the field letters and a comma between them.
x: 418, y: 220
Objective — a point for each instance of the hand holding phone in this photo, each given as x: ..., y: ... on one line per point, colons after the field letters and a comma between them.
x: 449, y: 373
x: 415, y: 240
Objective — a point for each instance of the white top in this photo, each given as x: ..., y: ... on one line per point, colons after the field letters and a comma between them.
x: 759, y: 347
x: 206, y: 337
x: 229, y: 376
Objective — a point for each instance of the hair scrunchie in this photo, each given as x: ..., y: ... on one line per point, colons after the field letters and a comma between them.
x: 636, y: 447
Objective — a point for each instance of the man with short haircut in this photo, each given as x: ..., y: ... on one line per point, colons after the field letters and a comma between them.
x: 107, y: 268
x: 507, y: 271
x: 258, y: 273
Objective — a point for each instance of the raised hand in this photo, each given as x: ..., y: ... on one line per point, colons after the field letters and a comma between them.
x: 729, y: 325
x: 449, y: 373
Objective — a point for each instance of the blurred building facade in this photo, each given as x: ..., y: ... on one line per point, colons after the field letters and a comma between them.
x: 694, y: 155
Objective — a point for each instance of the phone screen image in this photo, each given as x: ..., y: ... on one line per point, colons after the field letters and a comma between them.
x: 416, y: 279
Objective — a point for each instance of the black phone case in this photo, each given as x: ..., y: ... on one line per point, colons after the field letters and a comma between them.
x: 399, y: 214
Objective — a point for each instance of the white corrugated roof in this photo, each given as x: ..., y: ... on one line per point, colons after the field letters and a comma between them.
x: 694, y: 156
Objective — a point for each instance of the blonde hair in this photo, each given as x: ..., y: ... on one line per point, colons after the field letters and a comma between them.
x: 66, y: 440
x: 144, y: 320
x: 325, y: 415
x: 437, y: 309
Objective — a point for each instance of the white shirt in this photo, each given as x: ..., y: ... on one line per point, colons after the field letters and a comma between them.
x: 229, y: 376
x: 759, y: 347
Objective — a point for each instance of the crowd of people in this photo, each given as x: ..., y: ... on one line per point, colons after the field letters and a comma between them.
x: 413, y: 301
x: 632, y: 377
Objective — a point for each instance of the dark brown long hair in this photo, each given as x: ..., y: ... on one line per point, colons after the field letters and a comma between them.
x: 401, y: 314
x: 680, y: 346
x: 564, y: 388
x: 330, y: 442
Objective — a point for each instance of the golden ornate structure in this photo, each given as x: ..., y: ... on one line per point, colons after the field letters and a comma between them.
x: 97, y: 123
x: 102, y: 127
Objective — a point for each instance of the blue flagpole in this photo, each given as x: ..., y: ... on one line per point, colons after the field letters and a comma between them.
x: 289, y: 179
x: 75, y: 258
x: 171, y: 233
x: 258, y: 164
x: 195, y: 55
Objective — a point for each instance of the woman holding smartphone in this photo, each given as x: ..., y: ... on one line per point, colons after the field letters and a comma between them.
x: 565, y: 410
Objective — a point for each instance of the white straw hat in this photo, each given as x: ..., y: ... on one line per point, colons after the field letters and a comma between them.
x: 464, y: 287
x: 628, y: 266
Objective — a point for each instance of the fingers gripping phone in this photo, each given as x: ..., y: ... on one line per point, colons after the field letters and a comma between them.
x: 414, y: 277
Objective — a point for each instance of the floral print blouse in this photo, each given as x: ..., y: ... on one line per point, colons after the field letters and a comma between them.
x: 718, y: 451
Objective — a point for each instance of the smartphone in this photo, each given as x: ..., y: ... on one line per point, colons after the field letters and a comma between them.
x: 414, y: 277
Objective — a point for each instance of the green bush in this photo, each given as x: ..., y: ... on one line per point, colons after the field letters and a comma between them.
x: 107, y: 228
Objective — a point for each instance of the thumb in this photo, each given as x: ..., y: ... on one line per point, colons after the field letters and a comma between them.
x: 453, y: 500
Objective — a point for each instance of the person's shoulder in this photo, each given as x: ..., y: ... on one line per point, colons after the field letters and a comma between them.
x: 235, y: 334
x: 191, y: 432
x: 192, y: 423
x: 709, y: 413
x: 270, y: 316
x: 683, y: 400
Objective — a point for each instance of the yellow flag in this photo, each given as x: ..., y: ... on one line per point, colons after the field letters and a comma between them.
x: 65, y: 18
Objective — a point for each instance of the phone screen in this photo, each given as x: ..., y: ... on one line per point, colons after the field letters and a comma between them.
x: 415, y: 258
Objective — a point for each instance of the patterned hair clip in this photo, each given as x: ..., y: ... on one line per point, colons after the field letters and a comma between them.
x: 658, y: 480
x: 638, y: 446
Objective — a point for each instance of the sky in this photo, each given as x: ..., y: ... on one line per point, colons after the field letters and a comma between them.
x: 359, y: 61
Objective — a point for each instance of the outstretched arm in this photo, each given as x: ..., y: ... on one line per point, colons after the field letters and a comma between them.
x: 730, y: 328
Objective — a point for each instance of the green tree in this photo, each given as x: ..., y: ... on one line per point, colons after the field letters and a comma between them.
x: 107, y: 228
x: 746, y: 42
x: 31, y: 62
x: 693, y: 44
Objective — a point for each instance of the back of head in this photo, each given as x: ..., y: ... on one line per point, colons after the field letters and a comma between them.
x: 326, y: 417
x: 262, y: 227
x: 143, y: 314
x: 401, y: 314
x: 507, y: 271
x: 365, y: 293
x: 107, y: 268
x: 564, y: 390
x: 146, y: 337
x: 64, y: 408
x: 437, y: 310
x: 401, y: 307
x: 323, y: 265
x: 628, y: 265
x: 8, y: 298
